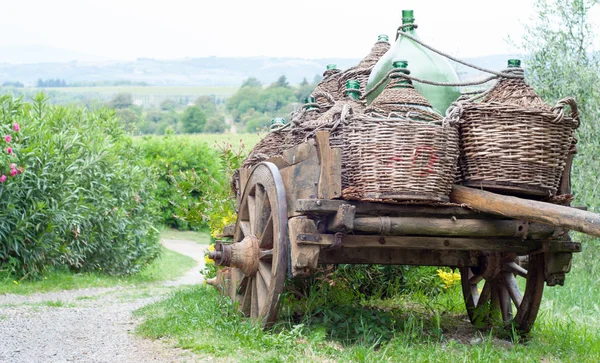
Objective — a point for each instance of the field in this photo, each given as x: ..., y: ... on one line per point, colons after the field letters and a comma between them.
x: 146, y: 90
x: 216, y: 140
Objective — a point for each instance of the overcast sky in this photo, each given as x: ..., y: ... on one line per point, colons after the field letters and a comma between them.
x: 128, y: 29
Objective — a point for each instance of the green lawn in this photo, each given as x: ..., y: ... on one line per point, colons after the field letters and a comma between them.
x: 167, y: 267
x: 409, y: 329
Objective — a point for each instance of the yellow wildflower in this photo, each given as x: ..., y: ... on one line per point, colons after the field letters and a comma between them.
x: 206, y: 259
x: 449, y: 278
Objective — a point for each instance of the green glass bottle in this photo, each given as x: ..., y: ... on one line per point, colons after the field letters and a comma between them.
x: 353, y: 89
x: 400, y: 93
x: 277, y: 121
x: 425, y: 64
x: 331, y: 66
x: 514, y: 63
x: 310, y: 103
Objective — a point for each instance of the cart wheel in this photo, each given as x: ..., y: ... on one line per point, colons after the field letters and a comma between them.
x: 491, y: 291
x: 259, y: 249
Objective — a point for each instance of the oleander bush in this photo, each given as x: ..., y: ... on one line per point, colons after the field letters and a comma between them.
x: 83, y: 199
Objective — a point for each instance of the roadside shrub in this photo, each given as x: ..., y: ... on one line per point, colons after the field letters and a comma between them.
x: 84, y: 199
x: 175, y: 154
x: 207, y: 200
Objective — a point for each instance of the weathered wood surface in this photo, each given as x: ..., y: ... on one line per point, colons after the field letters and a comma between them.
x: 327, y: 206
x: 535, y: 211
x: 343, y: 220
x: 423, y: 226
x: 304, y: 258
x: 398, y: 257
x: 301, y: 178
x: 422, y: 242
x: 330, y: 180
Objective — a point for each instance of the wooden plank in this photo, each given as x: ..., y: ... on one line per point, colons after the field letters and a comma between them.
x: 299, y: 153
x: 304, y: 258
x: 427, y: 226
x: 330, y: 180
x: 301, y: 179
x: 420, y: 242
x: 530, y: 210
x: 328, y: 206
x: 398, y: 257
x: 343, y: 220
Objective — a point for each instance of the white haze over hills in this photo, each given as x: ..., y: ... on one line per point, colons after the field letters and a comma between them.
x: 28, y: 64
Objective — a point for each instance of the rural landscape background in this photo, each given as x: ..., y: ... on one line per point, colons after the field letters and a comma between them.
x: 111, y: 155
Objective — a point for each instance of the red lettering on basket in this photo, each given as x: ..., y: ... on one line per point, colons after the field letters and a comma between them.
x: 416, y: 152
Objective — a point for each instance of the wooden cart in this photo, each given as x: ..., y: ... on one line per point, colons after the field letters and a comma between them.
x: 291, y: 218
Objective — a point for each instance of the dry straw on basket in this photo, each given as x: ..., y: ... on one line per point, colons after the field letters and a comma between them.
x: 362, y: 70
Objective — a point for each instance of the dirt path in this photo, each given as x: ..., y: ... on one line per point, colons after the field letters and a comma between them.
x: 89, y: 325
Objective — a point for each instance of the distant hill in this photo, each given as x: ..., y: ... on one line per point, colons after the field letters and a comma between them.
x: 27, y: 54
x: 207, y: 71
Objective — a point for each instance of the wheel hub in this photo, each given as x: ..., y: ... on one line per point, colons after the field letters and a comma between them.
x: 244, y: 255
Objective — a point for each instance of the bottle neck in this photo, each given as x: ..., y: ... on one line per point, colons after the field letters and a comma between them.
x: 353, y: 94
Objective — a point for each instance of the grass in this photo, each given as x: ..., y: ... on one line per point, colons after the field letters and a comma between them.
x: 199, y: 237
x: 200, y: 319
x: 216, y: 140
x: 167, y: 267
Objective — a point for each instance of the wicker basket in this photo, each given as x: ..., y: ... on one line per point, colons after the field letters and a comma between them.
x: 515, y: 149
x: 398, y: 158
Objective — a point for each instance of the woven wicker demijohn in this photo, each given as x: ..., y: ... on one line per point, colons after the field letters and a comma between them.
x: 512, y: 142
x: 425, y: 64
x: 400, y: 97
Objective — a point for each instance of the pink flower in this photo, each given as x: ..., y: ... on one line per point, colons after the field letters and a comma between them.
x: 2, y: 178
x: 20, y: 170
x: 9, y: 150
x: 13, y: 172
x: 16, y: 127
x: 13, y: 166
x: 8, y: 138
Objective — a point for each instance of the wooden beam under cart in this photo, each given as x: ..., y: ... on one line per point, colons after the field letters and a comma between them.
x: 328, y: 206
x: 420, y: 242
x: 382, y: 256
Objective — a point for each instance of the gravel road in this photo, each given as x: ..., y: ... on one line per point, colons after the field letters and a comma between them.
x: 89, y: 325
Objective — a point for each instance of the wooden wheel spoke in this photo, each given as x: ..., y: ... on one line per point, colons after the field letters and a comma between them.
x: 262, y: 292
x: 266, y: 254
x: 252, y: 213
x: 515, y: 269
x: 510, y: 283
x: 264, y: 271
x: 505, y: 305
x: 485, y: 295
x: 254, y: 308
x: 475, y: 279
x: 245, y: 227
x: 267, y: 234
x: 247, y: 299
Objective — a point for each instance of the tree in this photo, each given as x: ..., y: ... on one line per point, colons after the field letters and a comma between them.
x: 193, y: 120
x: 215, y: 125
x: 252, y: 82
x: 281, y: 82
x: 168, y: 105
x: 128, y: 118
x: 560, y: 64
x: 121, y: 100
